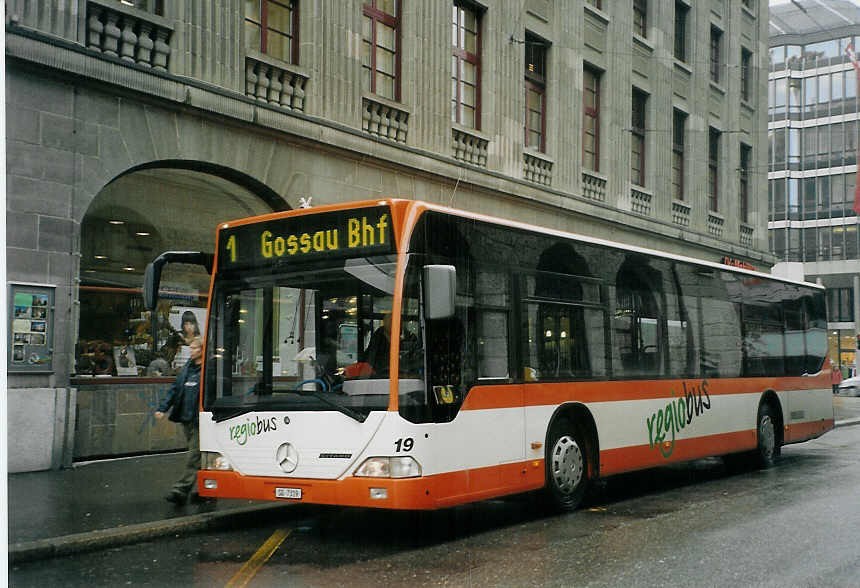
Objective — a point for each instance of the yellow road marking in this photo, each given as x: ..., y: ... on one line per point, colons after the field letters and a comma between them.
x: 253, y: 565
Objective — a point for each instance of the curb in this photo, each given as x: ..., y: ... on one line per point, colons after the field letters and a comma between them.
x: 847, y: 422
x: 27, y: 551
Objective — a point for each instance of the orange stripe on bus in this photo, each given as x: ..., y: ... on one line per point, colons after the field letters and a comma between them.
x: 804, y: 431
x: 549, y: 393
x: 628, y: 459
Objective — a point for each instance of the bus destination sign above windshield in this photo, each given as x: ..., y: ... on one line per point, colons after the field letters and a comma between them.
x: 343, y: 233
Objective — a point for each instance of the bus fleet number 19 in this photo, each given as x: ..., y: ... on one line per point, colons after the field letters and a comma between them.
x: 404, y: 444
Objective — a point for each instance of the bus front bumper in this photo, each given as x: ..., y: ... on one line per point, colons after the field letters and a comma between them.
x: 404, y: 494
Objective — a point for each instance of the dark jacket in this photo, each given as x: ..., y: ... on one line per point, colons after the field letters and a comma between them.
x: 183, y: 395
x: 378, y: 352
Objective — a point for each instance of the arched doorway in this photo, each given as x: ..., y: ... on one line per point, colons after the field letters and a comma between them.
x: 125, y: 357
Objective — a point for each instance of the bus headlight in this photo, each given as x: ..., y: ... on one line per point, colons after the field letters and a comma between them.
x: 210, y: 460
x: 389, y: 467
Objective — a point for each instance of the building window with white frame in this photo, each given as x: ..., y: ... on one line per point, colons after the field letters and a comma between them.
x: 713, y: 169
x: 465, y: 77
x: 380, y: 57
x: 744, y: 179
x: 535, y: 82
x: 715, y: 51
x: 746, y: 75
x: 590, y: 118
x: 681, y: 15
x: 271, y: 27
x: 679, y: 121
x: 637, y: 142
x: 640, y: 18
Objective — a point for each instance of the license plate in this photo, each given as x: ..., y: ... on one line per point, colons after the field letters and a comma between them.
x: 294, y: 493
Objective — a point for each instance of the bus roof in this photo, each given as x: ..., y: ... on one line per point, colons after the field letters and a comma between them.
x: 403, y: 206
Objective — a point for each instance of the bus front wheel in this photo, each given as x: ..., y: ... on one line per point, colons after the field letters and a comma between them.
x: 567, y: 466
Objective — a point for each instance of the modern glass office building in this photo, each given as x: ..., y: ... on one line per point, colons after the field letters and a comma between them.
x: 812, y: 158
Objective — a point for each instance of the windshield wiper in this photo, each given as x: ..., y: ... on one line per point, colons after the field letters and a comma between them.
x: 225, y: 414
x: 339, y: 407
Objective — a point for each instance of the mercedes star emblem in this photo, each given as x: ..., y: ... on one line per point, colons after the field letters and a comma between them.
x: 287, y: 457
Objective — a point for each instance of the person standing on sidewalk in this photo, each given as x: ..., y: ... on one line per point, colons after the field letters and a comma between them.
x: 182, y: 399
x: 835, y: 376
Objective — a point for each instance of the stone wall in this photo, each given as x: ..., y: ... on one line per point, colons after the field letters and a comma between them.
x: 38, y: 428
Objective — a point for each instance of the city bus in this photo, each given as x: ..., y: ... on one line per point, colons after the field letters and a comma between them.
x: 400, y: 354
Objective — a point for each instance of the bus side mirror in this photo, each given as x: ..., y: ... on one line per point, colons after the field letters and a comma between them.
x: 152, y: 275
x: 151, y: 281
x: 440, y: 288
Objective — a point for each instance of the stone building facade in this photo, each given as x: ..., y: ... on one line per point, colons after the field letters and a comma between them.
x: 135, y: 126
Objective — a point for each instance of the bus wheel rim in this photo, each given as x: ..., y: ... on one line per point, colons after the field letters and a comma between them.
x: 567, y: 464
x: 766, y: 436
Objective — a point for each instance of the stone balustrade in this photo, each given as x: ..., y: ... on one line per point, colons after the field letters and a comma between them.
x: 274, y: 84
x: 746, y: 233
x: 681, y: 213
x: 537, y: 168
x: 132, y: 35
x: 593, y: 186
x: 383, y: 119
x: 469, y: 147
x: 715, y: 225
x: 640, y: 201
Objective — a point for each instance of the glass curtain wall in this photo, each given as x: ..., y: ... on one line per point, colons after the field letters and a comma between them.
x: 812, y: 152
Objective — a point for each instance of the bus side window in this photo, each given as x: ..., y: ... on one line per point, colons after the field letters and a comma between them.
x: 492, y: 308
x: 816, y: 332
x: 639, y: 328
x: 681, y: 323
x: 763, y: 340
x: 795, y: 336
x: 721, y: 329
x: 562, y: 316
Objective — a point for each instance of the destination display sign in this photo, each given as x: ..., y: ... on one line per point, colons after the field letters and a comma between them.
x: 342, y: 233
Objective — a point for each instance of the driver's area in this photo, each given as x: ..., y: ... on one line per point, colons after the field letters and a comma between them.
x: 305, y: 340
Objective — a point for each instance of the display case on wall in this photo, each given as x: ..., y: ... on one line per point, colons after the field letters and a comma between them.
x: 31, y: 328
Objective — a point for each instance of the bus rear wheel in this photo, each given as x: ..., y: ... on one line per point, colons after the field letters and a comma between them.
x: 767, y: 449
x: 567, y: 466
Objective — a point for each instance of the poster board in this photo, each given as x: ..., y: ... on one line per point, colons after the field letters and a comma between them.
x: 175, y: 320
x: 31, y: 328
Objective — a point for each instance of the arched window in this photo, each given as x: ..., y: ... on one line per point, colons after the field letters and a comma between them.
x: 639, y: 321
x: 130, y: 222
x: 559, y: 305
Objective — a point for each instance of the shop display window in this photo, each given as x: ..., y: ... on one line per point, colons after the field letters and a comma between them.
x: 132, y: 221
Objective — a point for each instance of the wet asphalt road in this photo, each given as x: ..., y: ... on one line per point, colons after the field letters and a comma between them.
x: 700, y: 524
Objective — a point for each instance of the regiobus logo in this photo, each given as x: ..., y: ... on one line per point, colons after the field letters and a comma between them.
x: 241, y: 433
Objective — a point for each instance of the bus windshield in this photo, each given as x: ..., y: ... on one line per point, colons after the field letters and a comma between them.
x: 315, y: 339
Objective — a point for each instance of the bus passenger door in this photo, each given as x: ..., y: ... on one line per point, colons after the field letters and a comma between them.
x: 493, y: 416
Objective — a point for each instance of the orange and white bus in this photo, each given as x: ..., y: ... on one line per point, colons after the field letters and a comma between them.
x: 523, y: 358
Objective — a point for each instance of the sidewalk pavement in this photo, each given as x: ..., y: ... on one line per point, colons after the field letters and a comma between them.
x: 117, y: 502
x: 109, y: 503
